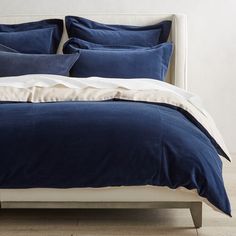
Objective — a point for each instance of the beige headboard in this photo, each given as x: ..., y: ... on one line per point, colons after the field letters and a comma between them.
x: 177, y: 74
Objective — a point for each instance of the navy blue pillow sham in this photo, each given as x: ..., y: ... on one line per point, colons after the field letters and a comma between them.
x: 76, y: 42
x: 117, y: 34
x: 41, y: 37
x: 111, y: 62
x: 14, y: 64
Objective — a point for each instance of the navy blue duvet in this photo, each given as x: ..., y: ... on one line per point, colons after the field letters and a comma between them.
x: 112, y: 143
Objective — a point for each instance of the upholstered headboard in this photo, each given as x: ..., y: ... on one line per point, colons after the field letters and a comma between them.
x: 178, y: 68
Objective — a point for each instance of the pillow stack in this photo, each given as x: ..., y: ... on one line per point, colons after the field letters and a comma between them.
x: 93, y: 49
x: 118, y: 51
x: 30, y: 48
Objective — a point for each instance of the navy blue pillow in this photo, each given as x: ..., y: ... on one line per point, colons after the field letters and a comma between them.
x: 14, y: 64
x: 76, y: 42
x: 41, y: 37
x: 117, y: 34
x: 110, y: 62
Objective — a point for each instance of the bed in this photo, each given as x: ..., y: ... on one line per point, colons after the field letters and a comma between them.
x: 145, y: 196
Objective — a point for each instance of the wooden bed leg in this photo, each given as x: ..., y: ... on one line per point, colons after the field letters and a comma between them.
x: 196, y: 212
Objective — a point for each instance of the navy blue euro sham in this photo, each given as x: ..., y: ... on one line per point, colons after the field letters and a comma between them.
x: 117, y: 34
x: 15, y: 64
x: 76, y: 42
x: 41, y: 37
x: 120, y: 62
x: 110, y: 143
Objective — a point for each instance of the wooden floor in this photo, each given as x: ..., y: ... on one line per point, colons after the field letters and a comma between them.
x: 121, y: 222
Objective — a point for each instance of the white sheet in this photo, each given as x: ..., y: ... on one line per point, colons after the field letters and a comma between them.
x: 54, y: 88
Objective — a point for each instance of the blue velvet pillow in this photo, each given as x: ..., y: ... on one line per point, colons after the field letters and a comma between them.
x: 41, y: 37
x: 76, y: 42
x: 110, y: 62
x: 117, y: 34
x: 14, y: 64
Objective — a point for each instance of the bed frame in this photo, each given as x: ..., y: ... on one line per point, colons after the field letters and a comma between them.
x: 116, y: 197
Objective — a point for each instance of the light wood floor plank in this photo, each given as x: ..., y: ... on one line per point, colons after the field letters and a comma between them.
x: 36, y: 233
x: 217, y: 231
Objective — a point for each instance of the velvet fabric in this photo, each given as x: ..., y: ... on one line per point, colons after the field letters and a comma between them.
x: 119, y: 62
x: 34, y: 37
x: 14, y: 64
x: 117, y: 34
x: 4, y: 48
x: 76, y: 42
x: 110, y: 143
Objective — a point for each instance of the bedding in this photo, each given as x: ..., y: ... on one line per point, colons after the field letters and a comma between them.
x: 122, y: 62
x: 117, y: 34
x: 59, y: 132
x: 33, y: 37
x: 15, y: 64
x: 76, y: 43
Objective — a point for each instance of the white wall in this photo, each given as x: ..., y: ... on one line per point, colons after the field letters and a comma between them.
x: 212, y: 44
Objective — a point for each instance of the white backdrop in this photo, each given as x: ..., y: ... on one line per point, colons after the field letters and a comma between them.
x: 212, y: 44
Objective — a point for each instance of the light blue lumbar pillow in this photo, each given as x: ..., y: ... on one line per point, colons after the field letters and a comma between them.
x: 13, y: 63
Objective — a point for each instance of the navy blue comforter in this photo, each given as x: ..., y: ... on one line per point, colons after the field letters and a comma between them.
x: 112, y: 143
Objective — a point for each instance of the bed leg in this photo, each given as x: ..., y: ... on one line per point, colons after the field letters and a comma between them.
x: 196, y: 212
